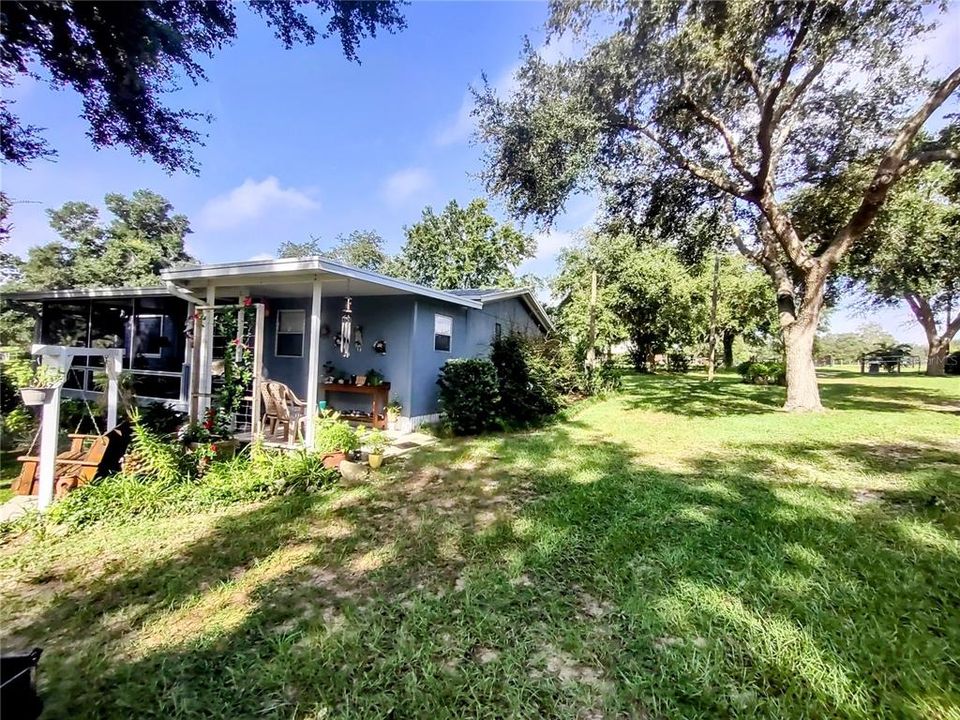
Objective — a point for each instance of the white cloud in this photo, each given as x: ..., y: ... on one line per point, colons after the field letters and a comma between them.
x: 253, y: 200
x: 261, y: 256
x: 551, y: 242
x: 405, y: 184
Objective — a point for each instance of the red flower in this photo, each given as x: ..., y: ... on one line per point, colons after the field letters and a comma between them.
x: 247, y: 301
x: 213, y: 447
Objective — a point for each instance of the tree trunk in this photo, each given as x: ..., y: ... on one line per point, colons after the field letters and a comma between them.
x: 937, y: 356
x: 714, y: 299
x: 803, y: 394
x: 728, y: 337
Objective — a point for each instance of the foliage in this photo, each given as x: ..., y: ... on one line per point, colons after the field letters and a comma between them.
x: 375, y: 441
x: 16, y: 425
x: 745, y: 100
x: 123, y: 58
x: 364, y: 249
x: 375, y: 377
x: 160, y: 461
x: 237, y: 368
x: 762, y: 373
x: 912, y: 250
x: 462, y: 248
x: 45, y: 376
x: 889, y: 355
x: 646, y: 294
x: 678, y: 362
x: 334, y: 435
x: 248, y: 477
x: 469, y: 395
x: 848, y: 347
x: 160, y: 418
x: 144, y: 238
x: 527, y: 388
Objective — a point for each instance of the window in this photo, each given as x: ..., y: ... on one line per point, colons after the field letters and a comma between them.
x: 442, y: 332
x: 497, y: 331
x: 149, y: 336
x: 290, y: 324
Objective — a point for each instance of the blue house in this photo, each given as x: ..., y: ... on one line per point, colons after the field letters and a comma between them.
x: 403, y: 331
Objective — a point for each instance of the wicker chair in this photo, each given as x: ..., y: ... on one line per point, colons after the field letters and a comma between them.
x: 283, y: 408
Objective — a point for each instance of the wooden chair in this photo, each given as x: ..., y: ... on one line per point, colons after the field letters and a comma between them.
x: 89, y: 457
x: 282, y: 407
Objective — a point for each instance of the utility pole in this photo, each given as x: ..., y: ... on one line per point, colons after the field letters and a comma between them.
x: 714, y: 299
x: 592, y: 331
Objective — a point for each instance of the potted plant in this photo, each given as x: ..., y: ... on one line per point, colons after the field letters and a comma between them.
x: 45, y: 380
x: 335, y: 439
x: 393, y: 414
x: 376, y: 443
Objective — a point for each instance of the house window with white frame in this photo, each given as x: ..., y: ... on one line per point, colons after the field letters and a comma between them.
x: 442, y: 332
x: 290, y: 329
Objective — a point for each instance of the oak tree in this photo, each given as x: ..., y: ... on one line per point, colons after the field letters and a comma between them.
x: 754, y: 99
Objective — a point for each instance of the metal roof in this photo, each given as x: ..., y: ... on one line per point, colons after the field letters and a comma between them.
x: 305, y: 266
x: 488, y: 295
x: 85, y: 293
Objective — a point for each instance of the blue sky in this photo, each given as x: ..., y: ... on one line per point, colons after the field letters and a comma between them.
x: 305, y: 143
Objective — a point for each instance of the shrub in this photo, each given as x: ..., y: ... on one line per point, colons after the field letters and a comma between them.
x: 334, y: 435
x: 469, y: 395
x: 761, y: 373
x: 606, y: 378
x: 678, y: 362
x: 253, y: 475
x: 525, y: 379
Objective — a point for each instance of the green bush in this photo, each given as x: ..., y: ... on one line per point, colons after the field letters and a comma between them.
x: 606, y: 377
x: 334, y: 435
x: 469, y: 395
x: 762, y: 373
x: 526, y: 382
x: 250, y: 476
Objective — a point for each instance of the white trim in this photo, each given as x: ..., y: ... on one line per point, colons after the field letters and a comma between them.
x: 86, y: 293
x: 409, y: 424
x: 277, y: 333
x: 313, y: 364
x: 311, y: 264
x: 437, y: 315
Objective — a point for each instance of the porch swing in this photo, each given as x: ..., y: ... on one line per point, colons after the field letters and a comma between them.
x: 89, y: 455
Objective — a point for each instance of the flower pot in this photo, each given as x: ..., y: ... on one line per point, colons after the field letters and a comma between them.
x: 33, y: 396
x: 332, y: 461
x: 375, y: 460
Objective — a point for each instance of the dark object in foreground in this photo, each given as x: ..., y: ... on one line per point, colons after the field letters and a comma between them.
x: 18, y: 687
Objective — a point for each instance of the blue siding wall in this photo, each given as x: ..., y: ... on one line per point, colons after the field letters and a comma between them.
x: 426, y: 362
x: 382, y: 318
x: 513, y: 316
x: 411, y: 365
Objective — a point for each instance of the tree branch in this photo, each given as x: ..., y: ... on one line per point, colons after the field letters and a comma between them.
x: 769, y: 115
x: 888, y: 172
x: 717, y: 179
x: 733, y: 150
x: 921, y: 310
x: 922, y: 158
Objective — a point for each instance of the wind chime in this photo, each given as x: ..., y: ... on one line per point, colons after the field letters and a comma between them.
x: 346, y: 328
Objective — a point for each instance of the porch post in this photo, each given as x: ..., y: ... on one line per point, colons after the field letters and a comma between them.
x: 313, y: 368
x: 206, y: 352
x: 113, y: 363
x: 49, y: 431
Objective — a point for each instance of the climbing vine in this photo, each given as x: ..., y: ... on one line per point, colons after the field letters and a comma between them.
x: 237, y: 365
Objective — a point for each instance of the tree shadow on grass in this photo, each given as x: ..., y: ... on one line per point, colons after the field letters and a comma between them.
x: 694, y: 396
x: 528, y: 576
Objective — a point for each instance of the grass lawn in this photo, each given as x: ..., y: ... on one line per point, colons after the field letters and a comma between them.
x: 680, y: 550
x: 9, y: 469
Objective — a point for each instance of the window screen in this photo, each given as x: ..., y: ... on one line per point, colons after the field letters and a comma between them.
x: 290, y: 325
x: 442, y: 332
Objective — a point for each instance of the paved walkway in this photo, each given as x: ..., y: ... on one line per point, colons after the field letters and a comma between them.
x: 16, y: 506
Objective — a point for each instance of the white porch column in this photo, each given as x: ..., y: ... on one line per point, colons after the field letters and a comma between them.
x: 313, y: 368
x: 206, y: 353
x: 49, y: 432
x: 113, y: 366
